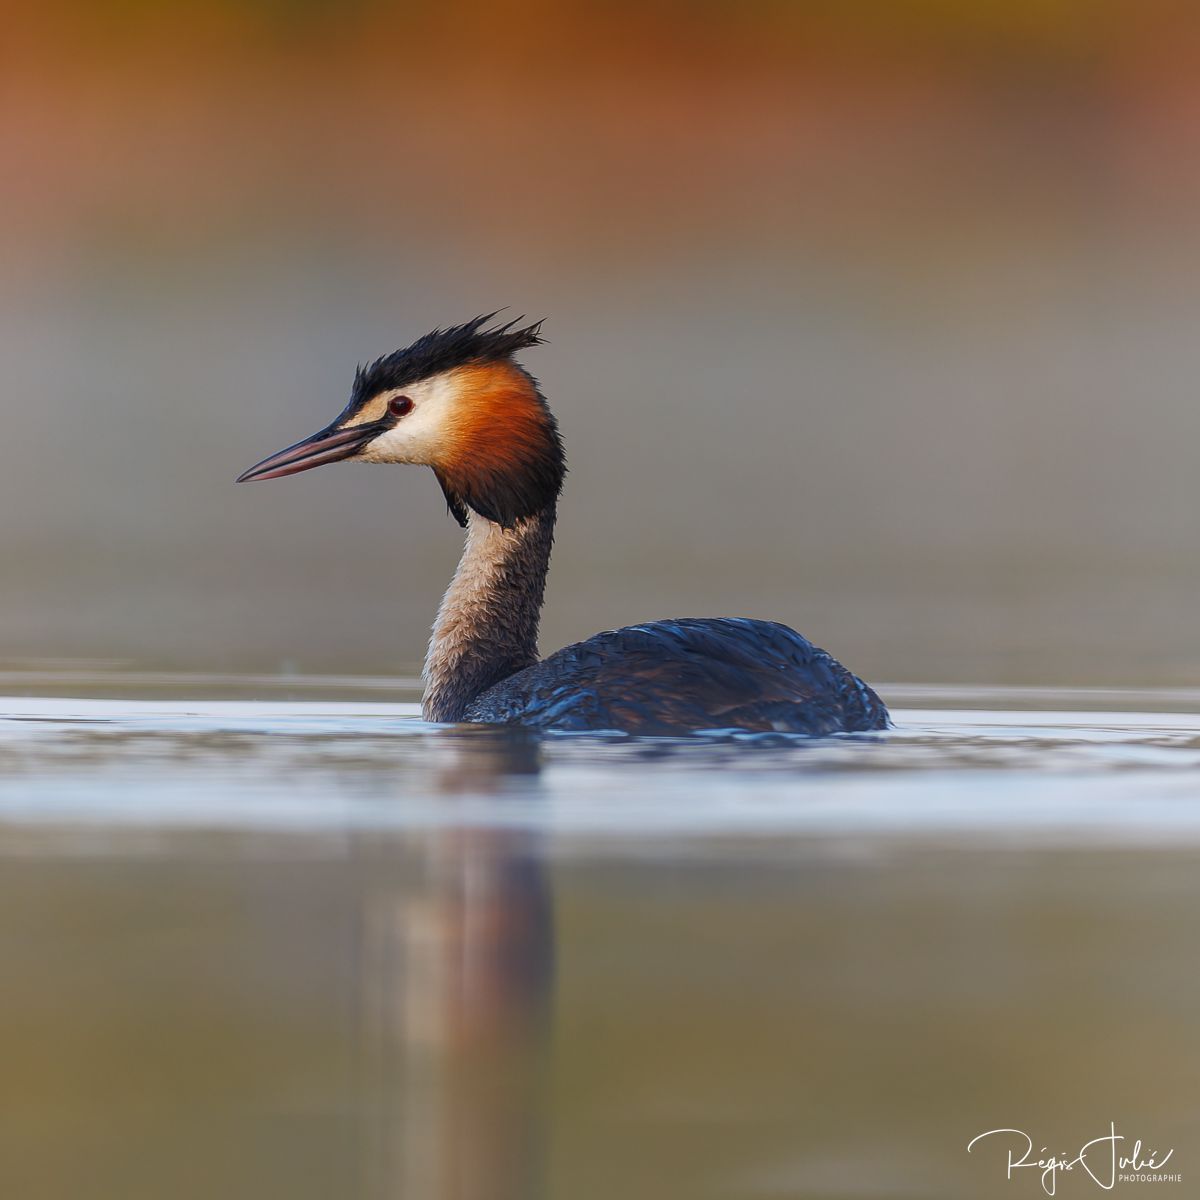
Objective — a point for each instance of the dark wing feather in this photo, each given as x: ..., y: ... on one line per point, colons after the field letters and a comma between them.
x: 677, y: 676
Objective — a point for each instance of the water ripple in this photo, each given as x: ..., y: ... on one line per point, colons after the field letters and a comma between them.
x: 1035, y: 774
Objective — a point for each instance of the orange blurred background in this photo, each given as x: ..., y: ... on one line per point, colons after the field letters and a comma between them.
x: 874, y: 318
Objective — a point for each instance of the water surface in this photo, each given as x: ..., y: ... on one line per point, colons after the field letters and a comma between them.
x: 283, y: 938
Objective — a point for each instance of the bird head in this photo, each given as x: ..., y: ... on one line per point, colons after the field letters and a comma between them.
x: 456, y: 401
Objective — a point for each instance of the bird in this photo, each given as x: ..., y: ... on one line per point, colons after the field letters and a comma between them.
x: 458, y: 401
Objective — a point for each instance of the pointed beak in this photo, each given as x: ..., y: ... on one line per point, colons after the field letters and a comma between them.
x: 330, y: 445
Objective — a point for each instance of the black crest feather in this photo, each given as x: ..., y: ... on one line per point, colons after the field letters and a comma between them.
x: 516, y: 486
x: 443, y: 350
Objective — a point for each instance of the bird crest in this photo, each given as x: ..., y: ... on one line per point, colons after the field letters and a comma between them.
x: 443, y: 350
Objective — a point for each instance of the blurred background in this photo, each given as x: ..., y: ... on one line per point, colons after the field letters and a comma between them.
x: 877, y: 319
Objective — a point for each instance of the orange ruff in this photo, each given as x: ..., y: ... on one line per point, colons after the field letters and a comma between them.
x: 500, y: 427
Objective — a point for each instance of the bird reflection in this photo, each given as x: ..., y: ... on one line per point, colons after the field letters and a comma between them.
x: 457, y: 971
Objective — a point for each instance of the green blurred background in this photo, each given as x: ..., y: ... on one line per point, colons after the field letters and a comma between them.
x: 877, y: 319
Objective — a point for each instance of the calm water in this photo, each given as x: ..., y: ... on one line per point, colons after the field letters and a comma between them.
x: 284, y: 939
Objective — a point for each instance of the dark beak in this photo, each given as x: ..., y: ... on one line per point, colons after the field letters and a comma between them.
x: 330, y: 445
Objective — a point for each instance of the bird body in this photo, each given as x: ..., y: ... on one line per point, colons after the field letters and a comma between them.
x: 690, y: 674
x: 457, y: 401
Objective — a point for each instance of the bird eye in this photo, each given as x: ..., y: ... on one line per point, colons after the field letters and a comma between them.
x: 400, y: 406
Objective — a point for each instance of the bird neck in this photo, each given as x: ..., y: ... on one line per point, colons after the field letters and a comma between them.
x: 487, y: 625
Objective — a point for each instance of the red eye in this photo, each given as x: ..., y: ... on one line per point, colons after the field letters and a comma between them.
x: 400, y: 406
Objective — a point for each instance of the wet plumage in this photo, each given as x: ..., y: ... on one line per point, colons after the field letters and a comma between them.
x: 669, y: 677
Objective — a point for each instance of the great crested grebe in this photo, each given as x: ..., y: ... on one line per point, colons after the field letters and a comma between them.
x: 456, y: 401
